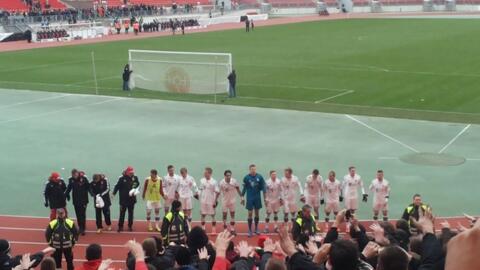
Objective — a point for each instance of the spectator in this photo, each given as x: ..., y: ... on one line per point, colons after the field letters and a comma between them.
x: 93, y: 255
x: 48, y: 264
x: 8, y: 262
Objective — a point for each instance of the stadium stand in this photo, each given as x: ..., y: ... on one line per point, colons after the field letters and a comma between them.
x: 52, y: 4
x: 13, y: 5
x: 291, y: 3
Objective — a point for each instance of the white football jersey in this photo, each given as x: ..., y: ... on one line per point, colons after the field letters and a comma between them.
x: 313, y: 187
x: 380, y: 189
x: 291, y: 187
x: 209, y: 190
x: 332, y: 191
x: 187, y: 187
x: 170, y: 185
x: 229, y: 191
x: 351, y: 185
x: 274, y: 190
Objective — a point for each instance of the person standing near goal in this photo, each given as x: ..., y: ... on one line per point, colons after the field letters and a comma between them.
x: 332, y: 191
x: 187, y: 188
x: 152, y: 194
x: 209, y: 192
x: 170, y: 187
x: 381, y: 192
x: 313, y: 190
x: 273, y: 200
x: 291, y: 187
x: 253, y: 186
x: 229, y: 188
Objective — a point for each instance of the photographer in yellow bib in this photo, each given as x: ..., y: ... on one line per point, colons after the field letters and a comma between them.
x: 153, y: 194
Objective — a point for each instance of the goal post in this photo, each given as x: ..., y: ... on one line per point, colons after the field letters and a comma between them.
x: 180, y: 72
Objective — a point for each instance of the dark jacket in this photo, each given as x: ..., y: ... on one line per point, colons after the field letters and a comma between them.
x: 79, y: 188
x: 124, y: 185
x: 101, y: 188
x: 126, y: 74
x: 232, y: 79
x: 165, y: 261
x: 431, y: 252
x: 7, y: 262
x: 61, y: 233
x: 303, y: 227
x: 412, y: 211
x: 54, y: 194
x: 300, y: 261
x: 174, y: 228
x: 243, y: 264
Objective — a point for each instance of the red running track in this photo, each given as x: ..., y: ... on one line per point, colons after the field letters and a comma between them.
x: 26, y: 235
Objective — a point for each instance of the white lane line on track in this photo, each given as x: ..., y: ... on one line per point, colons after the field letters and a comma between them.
x: 454, y: 138
x: 33, y: 101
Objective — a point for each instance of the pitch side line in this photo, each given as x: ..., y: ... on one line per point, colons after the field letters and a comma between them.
x: 454, y: 138
x: 335, y: 96
x: 296, y: 87
x: 57, y: 111
x: 381, y: 133
x: 33, y: 101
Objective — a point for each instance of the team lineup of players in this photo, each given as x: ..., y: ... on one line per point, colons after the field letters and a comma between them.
x: 279, y: 195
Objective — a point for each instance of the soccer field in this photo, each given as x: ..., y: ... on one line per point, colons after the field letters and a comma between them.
x: 44, y: 132
x: 405, y: 68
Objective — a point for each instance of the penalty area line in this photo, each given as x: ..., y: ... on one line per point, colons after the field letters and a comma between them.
x: 335, y: 96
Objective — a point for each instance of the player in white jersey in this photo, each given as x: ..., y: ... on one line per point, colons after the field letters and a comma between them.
x: 332, y: 192
x: 381, y: 191
x: 274, y: 200
x: 209, y: 192
x: 351, y: 182
x: 187, y: 188
x: 291, y: 187
x: 313, y: 191
x: 229, y: 188
x: 170, y: 187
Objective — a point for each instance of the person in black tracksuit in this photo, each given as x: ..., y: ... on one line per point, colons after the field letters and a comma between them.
x: 79, y: 186
x: 54, y: 194
x: 125, y: 184
x: 100, y: 186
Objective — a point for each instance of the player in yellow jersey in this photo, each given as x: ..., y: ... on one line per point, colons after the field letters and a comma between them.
x: 152, y: 194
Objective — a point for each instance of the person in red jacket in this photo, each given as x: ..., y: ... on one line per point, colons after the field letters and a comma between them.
x: 93, y: 254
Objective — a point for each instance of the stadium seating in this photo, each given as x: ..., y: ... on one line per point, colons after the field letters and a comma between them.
x: 54, y: 4
x: 291, y: 3
x: 13, y: 5
x: 117, y: 3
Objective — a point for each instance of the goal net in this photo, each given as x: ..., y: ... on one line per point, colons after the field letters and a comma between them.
x: 180, y: 72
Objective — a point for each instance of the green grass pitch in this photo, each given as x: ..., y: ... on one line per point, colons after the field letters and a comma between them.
x: 407, y: 68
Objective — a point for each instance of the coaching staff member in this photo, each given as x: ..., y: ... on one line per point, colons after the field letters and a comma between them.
x: 78, y: 185
x: 125, y: 187
x: 54, y: 194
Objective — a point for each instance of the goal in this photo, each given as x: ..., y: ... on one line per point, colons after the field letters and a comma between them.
x: 180, y: 72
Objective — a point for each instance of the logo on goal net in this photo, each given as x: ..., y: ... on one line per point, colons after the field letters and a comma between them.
x: 177, y: 80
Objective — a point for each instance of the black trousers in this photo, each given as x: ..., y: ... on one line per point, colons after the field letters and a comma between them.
x: 57, y: 256
x: 121, y: 219
x: 106, y: 214
x: 81, y: 213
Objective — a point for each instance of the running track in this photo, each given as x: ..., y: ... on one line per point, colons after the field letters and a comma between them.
x: 26, y: 234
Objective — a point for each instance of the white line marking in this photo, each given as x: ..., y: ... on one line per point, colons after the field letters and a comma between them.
x: 473, y: 159
x: 335, y: 96
x: 29, y: 67
x: 388, y: 158
x: 381, y: 133
x: 33, y: 101
x: 92, y: 232
x: 454, y: 138
x: 79, y: 245
x: 56, y: 111
x: 296, y: 87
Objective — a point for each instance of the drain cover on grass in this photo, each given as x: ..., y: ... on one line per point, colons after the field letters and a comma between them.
x: 433, y: 159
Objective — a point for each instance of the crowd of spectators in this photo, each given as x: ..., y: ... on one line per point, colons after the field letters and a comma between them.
x: 389, y: 247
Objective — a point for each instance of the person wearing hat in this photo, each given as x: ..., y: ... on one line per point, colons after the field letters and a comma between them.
x: 175, y: 225
x: 127, y: 188
x: 78, y: 185
x: 100, y: 190
x: 54, y: 194
x: 61, y: 234
x: 8, y: 262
